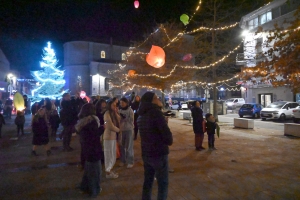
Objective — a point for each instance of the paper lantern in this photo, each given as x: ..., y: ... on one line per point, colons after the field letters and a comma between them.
x: 19, y: 102
x: 156, y: 57
x: 136, y: 4
x: 131, y: 72
x: 187, y: 57
x: 82, y: 94
x: 184, y: 19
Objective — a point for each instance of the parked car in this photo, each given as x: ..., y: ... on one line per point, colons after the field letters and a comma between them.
x: 235, y: 102
x: 186, y: 105
x: 252, y: 109
x: 296, y: 114
x: 278, y: 110
x: 174, y: 106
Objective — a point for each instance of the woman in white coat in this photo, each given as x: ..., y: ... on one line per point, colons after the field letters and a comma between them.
x: 112, y: 127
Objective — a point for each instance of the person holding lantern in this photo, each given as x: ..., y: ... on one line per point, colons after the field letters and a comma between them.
x: 20, y: 121
x: 135, y: 106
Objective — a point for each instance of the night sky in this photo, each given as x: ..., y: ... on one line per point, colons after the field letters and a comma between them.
x: 26, y: 26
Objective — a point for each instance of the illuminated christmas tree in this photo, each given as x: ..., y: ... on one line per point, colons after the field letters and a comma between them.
x: 50, y: 80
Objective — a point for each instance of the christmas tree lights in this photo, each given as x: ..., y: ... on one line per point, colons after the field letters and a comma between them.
x: 51, y: 79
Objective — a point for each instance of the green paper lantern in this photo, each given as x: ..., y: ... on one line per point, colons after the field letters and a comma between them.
x: 184, y: 18
x: 19, y: 102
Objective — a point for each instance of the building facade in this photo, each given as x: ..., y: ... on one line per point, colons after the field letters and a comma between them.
x: 279, y: 12
x: 4, y: 71
x: 86, y: 65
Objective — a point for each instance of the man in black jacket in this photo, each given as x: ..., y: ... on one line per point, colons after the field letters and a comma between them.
x: 156, y: 138
x: 68, y: 117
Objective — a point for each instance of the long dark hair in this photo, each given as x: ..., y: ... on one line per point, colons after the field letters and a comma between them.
x: 98, y: 106
x: 86, y: 110
x: 48, y: 104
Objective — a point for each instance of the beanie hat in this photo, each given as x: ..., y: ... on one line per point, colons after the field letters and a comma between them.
x: 147, y: 97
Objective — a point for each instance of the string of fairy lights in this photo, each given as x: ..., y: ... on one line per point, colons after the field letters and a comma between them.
x: 177, y: 37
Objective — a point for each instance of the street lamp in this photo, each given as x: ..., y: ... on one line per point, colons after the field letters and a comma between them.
x: 10, y: 86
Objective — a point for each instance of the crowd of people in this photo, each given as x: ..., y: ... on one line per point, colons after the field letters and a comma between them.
x: 107, y: 129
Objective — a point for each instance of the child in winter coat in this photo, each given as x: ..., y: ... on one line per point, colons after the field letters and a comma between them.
x: 2, y: 121
x: 54, y: 123
x: 40, y: 132
x: 211, y: 126
x: 20, y: 121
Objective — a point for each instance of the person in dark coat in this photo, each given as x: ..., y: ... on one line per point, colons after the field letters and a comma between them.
x: 34, y: 108
x: 9, y: 107
x: 2, y: 122
x: 156, y: 138
x: 88, y: 129
x: 211, y: 126
x: 20, y: 121
x: 40, y: 132
x: 68, y: 117
x: 54, y: 121
x: 197, y: 115
x: 135, y: 106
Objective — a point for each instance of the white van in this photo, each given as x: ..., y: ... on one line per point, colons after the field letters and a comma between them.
x: 278, y: 110
x: 235, y: 102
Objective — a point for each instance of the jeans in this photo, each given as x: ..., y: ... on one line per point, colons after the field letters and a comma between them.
x: 211, y: 138
x: 91, y: 178
x: 157, y: 166
x: 67, y: 135
x: 20, y: 128
x: 127, y: 147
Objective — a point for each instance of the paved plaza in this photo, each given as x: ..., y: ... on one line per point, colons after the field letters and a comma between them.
x: 249, y: 164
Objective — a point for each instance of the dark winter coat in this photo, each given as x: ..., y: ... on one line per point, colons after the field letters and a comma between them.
x: 34, y: 109
x: 211, y: 127
x: 54, y: 121
x: 68, y: 113
x: 40, y: 131
x: 101, y: 119
x: 88, y: 129
x: 197, y: 115
x: 156, y: 136
x: 20, y: 120
x: 135, y: 106
x: 2, y: 121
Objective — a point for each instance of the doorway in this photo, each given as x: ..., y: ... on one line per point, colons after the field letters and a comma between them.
x: 265, y: 99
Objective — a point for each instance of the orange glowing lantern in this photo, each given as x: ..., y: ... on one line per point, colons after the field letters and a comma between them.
x: 156, y: 57
x: 131, y: 72
x: 136, y: 4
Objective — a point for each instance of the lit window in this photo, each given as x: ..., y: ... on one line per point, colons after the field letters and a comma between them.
x: 123, y: 56
x: 253, y: 23
x: 102, y: 54
x: 264, y: 18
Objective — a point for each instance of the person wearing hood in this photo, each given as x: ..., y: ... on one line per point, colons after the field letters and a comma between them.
x: 156, y: 138
x: 126, y: 127
x: 91, y: 149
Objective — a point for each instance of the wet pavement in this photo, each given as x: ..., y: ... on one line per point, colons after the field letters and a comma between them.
x: 248, y: 164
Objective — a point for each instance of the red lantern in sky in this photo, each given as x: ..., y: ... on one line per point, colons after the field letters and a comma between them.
x: 136, y: 4
x: 187, y: 57
x: 156, y: 57
x: 131, y: 72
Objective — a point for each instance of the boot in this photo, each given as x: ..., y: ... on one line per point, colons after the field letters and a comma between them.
x: 48, y: 152
x: 213, y: 146
x: 33, y: 153
x: 210, y: 146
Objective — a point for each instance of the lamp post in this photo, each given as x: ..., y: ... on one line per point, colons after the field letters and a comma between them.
x: 10, y: 81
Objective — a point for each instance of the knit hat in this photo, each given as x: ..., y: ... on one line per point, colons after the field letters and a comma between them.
x: 147, y: 97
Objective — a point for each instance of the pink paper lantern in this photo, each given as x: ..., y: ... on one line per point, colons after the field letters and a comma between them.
x: 136, y: 4
x: 187, y: 57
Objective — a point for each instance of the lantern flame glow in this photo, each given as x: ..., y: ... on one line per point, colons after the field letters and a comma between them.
x: 136, y: 4
x: 156, y: 57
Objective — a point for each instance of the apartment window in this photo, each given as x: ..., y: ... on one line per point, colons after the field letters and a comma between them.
x: 123, y: 56
x: 264, y: 18
x: 253, y: 23
x: 102, y: 54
